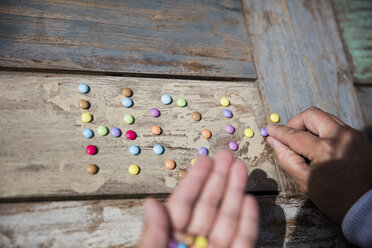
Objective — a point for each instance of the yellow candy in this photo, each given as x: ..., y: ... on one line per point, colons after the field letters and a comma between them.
x: 225, y: 101
x: 193, y: 161
x: 133, y: 169
x: 274, y: 117
x: 86, y: 117
x: 248, y: 133
x: 201, y: 242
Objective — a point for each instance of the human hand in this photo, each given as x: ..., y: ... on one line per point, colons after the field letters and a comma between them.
x: 340, y: 168
x: 209, y: 201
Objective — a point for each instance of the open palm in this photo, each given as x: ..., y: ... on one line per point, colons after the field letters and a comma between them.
x: 209, y: 201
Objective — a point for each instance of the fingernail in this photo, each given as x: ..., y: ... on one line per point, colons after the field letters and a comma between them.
x: 270, y: 125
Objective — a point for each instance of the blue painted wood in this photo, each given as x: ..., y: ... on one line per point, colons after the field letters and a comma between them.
x: 190, y: 38
x: 300, y: 60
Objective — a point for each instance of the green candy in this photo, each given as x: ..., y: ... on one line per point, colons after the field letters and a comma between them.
x: 102, y: 130
x: 129, y: 119
x: 181, y: 102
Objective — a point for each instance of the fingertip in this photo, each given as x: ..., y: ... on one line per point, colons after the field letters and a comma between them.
x: 203, y: 160
x: 150, y: 205
x: 276, y: 130
x: 224, y: 154
x: 224, y: 159
x: 148, y: 201
x: 270, y: 127
x: 202, y: 165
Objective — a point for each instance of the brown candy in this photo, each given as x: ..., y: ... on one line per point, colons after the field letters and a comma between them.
x: 182, y: 173
x: 127, y: 92
x: 83, y: 104
x: 196, y: 116
x: 92, y: 169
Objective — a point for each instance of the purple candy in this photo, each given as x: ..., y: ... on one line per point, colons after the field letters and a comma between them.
x: 203, y: 151
x: 227, y: 113
x: 115, y: 132
x: 172, y: 243
x: 233, y: 146
x: 155, y: 112
x: 264, y: 132
x: 230, y: 129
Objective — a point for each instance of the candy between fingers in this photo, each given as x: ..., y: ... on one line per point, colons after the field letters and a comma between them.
x: 264, y: 132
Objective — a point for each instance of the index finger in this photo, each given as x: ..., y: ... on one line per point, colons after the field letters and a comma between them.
x: 301, y: 142
x: 316, y: 121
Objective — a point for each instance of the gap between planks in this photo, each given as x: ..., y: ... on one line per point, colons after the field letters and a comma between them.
x: 124, y: 74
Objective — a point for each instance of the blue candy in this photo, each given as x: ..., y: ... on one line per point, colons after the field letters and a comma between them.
x: 83, y: 88
x: 134, y: 150
x: 127, y: 102
x: 158, y: 149
x: 203, y: 151
x: 227, y: 113
x: 88, y: 133
x: 166, y: 99
x: 182, y: 245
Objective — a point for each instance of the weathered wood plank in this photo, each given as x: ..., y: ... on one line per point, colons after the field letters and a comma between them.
x: 299, y: 58
x: 365, y: 99
x: 189, y: 38
x: 355, y: 22
x: 118, y: 223
x: 43, y: 150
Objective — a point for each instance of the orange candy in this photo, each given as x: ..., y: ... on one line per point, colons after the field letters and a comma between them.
x: 206, y: 133
x: 170, y: 164
x: 156, y: 130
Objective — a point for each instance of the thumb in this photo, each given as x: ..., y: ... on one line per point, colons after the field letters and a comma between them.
x: 156, y: 229
x: 291, y: 162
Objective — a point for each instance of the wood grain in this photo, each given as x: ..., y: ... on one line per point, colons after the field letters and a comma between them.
x: 187, y: 38
x: 43, y: 150
x: 365, y: 99
x: 355, y: 23
x: 299, y: 58
x: 290, y: 222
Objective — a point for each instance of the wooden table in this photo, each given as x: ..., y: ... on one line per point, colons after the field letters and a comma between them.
x: 266, y: 56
